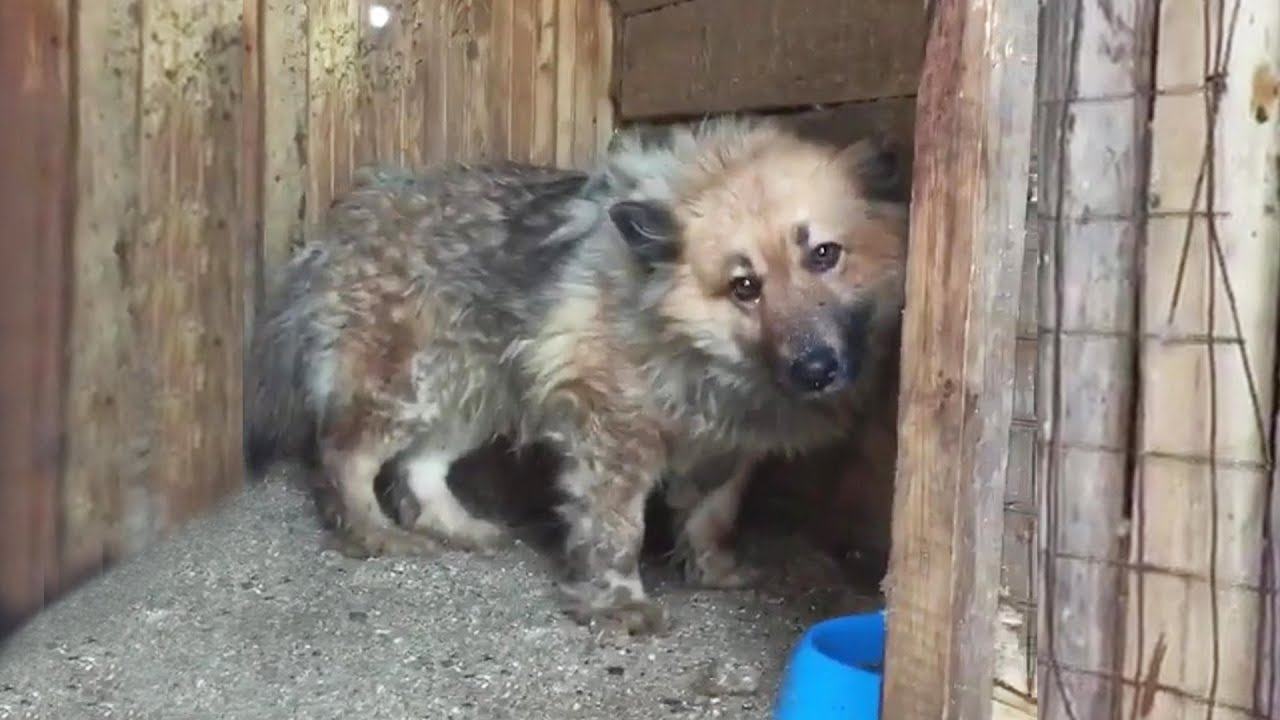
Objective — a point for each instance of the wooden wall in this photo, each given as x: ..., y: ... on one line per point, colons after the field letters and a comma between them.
x: 468, y: 80
x: 161, y: 157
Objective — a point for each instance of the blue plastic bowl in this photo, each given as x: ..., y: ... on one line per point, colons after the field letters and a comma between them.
x: 835, y: 671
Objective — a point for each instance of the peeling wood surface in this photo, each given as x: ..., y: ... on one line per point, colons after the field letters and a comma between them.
x: 973, y: 141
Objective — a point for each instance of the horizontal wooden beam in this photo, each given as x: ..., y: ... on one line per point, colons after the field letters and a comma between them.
x: 634, y: 7
x: 710, y: 56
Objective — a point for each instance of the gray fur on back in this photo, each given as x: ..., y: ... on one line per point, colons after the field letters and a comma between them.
x: 487, y: 252
x: 485, y: 242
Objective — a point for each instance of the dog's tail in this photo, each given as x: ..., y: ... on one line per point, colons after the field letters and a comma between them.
x: 279, y: 417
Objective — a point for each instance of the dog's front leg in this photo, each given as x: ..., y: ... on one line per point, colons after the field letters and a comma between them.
x: 706, y: 504
x: 606, y: 484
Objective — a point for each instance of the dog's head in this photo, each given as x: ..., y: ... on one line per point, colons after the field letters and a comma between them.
x: 778, y: 257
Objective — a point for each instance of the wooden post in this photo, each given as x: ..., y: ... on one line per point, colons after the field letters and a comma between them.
x: 188, y: 262
x: 35, y: 202
x: 251, y: 162
x: 973, y: 142
x: 283, y: 54
x: 104, y: 467
x: 1092, y: 150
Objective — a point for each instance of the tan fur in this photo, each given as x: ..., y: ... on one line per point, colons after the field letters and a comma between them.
x: 749, y: 207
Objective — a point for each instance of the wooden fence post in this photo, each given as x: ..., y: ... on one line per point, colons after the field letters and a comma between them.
x: 972, y: 152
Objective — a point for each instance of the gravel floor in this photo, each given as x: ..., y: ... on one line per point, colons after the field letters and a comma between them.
x: 244, y: 615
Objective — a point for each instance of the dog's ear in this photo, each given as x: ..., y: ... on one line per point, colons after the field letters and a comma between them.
x: 648, y: 228
x: 879, y: 167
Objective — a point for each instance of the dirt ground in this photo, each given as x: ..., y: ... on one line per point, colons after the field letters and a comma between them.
x: 244, y: 614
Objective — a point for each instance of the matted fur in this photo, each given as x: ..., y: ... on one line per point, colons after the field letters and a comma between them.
x: 439, y: 310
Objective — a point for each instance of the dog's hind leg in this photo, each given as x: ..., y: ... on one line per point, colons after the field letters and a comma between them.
x: 360, y: 524
x: 440, y: 514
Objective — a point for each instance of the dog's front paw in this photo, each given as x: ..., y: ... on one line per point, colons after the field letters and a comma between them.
x: 719, y: 570
x: 615, y: 613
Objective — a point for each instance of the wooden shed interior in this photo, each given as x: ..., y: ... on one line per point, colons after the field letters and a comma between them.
x: 183, y: 149
x: 1089, y: 342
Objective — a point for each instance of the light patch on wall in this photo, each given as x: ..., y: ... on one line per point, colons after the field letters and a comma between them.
x: 379, y: 15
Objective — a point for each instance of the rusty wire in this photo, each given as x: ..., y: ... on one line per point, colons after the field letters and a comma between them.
x: 1216, y: 53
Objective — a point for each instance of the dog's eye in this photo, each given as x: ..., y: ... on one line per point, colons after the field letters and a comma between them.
x: 746, y: 288
x: 824, y: 256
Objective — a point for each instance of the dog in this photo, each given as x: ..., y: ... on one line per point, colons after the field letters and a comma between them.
x: 711, y: 294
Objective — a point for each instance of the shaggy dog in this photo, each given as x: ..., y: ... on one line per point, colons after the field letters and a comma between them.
x: 708, y: 296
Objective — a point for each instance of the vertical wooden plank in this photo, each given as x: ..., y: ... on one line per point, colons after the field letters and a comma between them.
x: 973, y: 141
x: 413, y: 91
x: 333, y: 41
x: 1016, y: 663
x: 372, y: 83
x: 105, y: 472
x: 1092, y: 141
x: 524, y: 72
x: 566, y: 52
x: 478, y: 48
x: 1088, y: 307
x: 383, y: 70
x: 498, y: 83
x: 189, y: 265
x: 1212, y: 242
x: 285, y: 134
x: 604, y: 120
x: 435, y: 102
x: 1268, y: 691
x: 217, y: 375
x: 251, y: 161
x: 544, y: 93
x: 585, y: 66
x: 456, y: 34
x: 35, y: 202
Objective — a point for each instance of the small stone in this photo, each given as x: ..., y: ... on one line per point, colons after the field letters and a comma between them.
x: 615, y: 670
x: 722, y: 677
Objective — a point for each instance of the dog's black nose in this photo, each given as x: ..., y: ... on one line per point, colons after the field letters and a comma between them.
x: 815, y: 368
